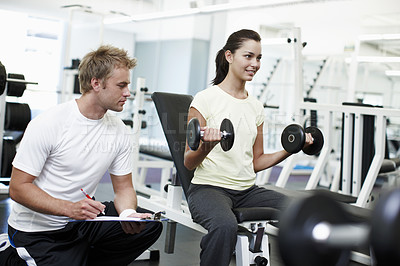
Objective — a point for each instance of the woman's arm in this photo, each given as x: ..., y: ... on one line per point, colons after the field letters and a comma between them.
x: 262, y: 161
x: 211, y: 137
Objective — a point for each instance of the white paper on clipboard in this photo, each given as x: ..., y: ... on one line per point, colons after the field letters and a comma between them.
x: 119, y: 219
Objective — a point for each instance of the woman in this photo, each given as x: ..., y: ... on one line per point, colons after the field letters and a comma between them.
x: 226, y: 180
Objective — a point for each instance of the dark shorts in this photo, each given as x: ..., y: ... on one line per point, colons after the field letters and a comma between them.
x: 84, y: 243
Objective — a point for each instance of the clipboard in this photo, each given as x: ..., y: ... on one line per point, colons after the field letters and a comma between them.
x: 156, y: 217
x: 119, y: 219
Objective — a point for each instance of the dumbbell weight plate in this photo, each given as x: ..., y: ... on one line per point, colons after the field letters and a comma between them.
x: 193, y: 134
x: 227, y: 141
x: 295, y: 230
x: 318, y: 142
x: 293, y: 138
x: 3, y: 78
x: 385, y: 232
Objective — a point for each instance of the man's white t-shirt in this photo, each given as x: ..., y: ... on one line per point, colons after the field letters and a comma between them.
x: 66, y: 152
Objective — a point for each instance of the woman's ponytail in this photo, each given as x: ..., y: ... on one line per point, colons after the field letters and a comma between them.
x: 222, y: 67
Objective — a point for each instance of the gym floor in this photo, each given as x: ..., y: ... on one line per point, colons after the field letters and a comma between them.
x: 187, y: 244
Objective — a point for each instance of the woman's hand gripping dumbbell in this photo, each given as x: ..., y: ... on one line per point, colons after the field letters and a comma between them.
x: 194, y: 134
x: 294, y: 139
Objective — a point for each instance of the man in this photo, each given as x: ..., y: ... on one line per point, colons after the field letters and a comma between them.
x: 64, y: 152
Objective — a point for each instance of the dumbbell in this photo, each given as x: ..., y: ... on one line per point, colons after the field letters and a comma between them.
x: 318, y: 231
x: 194, y: 134
x: 293, y: 139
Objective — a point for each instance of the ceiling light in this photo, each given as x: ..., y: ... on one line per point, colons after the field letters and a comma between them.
x: 166, y: 14
x: 377, y: 37
x: 392, y: 73
x: 274, y: 41
x: 204, y: 10
x: 116, y: 20
x: 378, y: 59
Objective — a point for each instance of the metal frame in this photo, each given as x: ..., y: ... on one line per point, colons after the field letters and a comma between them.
x: 351, y: 182
x: 4, y: 189
x: 143, y: 162
x: 362, y: 192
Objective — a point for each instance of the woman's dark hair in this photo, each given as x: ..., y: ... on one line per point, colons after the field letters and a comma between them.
x: 234, y: 42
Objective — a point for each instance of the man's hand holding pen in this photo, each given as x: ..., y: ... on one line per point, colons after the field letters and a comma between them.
x: 86, y: 209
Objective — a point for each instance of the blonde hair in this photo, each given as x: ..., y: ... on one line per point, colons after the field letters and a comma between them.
x: 101, y: 63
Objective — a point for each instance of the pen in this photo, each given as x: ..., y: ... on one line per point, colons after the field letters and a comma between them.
x: 87, y: 196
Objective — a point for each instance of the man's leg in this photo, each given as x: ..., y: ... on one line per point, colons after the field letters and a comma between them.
x: 62, y: 247
x: 8, y: 254
x: 110, y: 245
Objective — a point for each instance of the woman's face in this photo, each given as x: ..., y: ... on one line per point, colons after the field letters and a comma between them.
x: 246, y: 60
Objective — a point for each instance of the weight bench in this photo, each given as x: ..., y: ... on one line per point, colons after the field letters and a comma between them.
x: 252, y: 245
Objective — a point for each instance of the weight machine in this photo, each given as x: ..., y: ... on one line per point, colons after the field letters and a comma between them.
x: 351, y: 184
x: 146, y: 158
x: 14, y: 118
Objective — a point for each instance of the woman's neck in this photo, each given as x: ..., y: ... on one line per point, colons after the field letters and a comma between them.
x: 235, y: 89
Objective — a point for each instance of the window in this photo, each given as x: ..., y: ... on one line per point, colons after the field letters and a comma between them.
x: 32, y: 46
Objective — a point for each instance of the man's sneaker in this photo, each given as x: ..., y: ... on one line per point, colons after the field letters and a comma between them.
x: 4, y: 242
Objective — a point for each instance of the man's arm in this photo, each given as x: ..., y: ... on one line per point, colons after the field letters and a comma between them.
x: 23, y: 191
x: 125, y: 199
x: 124, y: 193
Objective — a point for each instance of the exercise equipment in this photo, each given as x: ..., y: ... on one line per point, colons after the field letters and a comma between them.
x: 3, y: 78
x: 194, y: 134
x: 15, y: 83
x: 251, y: 246
x: 8, y: 153
x: 318, y: 231
x: 15, y: 117
x: 18, y: 116
x: 385, y: 231
x: 293, y: 139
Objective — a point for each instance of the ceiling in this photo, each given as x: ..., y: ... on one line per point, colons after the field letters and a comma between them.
x: 340, y: 17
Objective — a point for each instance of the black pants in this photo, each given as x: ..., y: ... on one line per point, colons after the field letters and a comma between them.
x: 211, y: 207
x: 84, y: 243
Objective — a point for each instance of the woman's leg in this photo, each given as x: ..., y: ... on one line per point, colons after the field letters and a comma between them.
x: 211, y: 207
x: 261, y: 197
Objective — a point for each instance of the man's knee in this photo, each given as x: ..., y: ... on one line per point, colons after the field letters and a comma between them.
x: 158, y: 228
x: 155, y: 229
